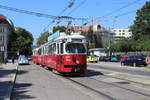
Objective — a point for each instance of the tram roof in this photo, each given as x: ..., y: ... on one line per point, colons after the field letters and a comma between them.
x: 62, y: 37
x: 70, y: 36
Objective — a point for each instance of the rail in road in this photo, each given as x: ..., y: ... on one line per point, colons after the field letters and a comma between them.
x: 115, y: 84
x: 95, y: 84
x: 125, y: 73
x: 116, y: 67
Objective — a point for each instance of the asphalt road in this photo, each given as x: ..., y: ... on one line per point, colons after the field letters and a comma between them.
x: 123, y: 69
x: 36, y: 83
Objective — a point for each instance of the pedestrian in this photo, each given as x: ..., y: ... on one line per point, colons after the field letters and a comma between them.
x: 13, y: 59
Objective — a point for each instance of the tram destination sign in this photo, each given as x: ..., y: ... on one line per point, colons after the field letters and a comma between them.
x: 53, y: 36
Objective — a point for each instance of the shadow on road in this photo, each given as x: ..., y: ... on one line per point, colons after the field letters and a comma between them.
x: 19, y: 91
x: 88, y: 73
x: 4, y: 72
x: 4, y: 88
x: 91, y: 73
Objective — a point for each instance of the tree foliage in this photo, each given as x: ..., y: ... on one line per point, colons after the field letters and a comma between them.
x: 140, y: 40
x: 141, y: 24
x: 59, y: 28
x: 93, y: 39
x: 43, y: 38
x: 124, y: 45
x: 21, y: 41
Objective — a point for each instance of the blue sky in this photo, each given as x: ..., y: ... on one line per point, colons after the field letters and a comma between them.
x: 81, y: 8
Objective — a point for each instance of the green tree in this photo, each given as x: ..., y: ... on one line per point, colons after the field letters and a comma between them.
x: 124, y: 45
x: 59, y: 28
x: 93, y: 38
x: 141, y: 24
x: 141, y: 33
x: 21, y: 41
x: 43, y: 38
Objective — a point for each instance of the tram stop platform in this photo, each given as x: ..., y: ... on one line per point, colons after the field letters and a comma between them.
x: 7, y: 78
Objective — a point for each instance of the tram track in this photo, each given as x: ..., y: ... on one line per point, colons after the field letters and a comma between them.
x: 112, y: 84
x: 124, y: 81
x: 96, y: 93
x: 106, y: 83
x: 129, y: 80
x: 124, y: 76
x: 92, y: 89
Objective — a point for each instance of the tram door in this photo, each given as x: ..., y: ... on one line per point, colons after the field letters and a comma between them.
x: 60, y: 60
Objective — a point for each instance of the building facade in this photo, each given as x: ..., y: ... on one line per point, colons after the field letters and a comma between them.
x: 6, y: 28
x: 122, y: 33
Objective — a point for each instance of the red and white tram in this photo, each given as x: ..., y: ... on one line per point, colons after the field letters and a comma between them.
x: 66, y: 53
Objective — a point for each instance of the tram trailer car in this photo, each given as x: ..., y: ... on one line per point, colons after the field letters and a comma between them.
x: 66, y: 54
x: 35, y: 58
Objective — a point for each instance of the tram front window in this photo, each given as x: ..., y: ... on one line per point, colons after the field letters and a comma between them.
x: 75, y: 48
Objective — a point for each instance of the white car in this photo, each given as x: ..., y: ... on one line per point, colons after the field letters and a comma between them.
x: 23, y: 60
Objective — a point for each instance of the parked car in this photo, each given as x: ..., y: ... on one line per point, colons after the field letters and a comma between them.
x: 29, y: 58
x: 123, y: 58
x: 23, y: 60
x: 115, y: 58
x: 134, y: 61
x: 92, y: 59
x: 104, y: 58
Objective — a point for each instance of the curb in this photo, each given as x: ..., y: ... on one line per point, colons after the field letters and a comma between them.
x: 12, y: 82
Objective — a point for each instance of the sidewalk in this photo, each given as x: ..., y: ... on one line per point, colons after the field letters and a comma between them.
x: 7, y: 78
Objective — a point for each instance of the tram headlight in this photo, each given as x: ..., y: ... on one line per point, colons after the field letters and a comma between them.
x: 77, y: 62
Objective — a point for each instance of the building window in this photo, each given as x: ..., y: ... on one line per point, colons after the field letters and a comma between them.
x: 119, y: 30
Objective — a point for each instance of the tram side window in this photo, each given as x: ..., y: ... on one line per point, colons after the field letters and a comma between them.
x: 58, y: 51
x: 61, y: 48
x: 39, y: 52
x: 52, y: 49
x: 42, y: 51
x: 46, y: 50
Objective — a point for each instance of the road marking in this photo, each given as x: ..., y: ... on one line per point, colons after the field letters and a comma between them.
x: 141, y: 87
x: 113, y: 73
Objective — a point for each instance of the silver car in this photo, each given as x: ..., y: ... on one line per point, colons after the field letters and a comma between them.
x: 23, y: 60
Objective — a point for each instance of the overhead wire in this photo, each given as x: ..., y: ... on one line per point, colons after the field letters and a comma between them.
x: 27, y: 12
x: 71, y: 3
x: 81, y: 3
x: 36, y: 13
x: 77, y: 7
x: 123, y: 7
x: 126, y: 13
x: 114, y: 11
x: 40, y: 14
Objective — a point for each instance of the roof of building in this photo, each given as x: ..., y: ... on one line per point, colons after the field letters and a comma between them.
x: 5, y: 20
